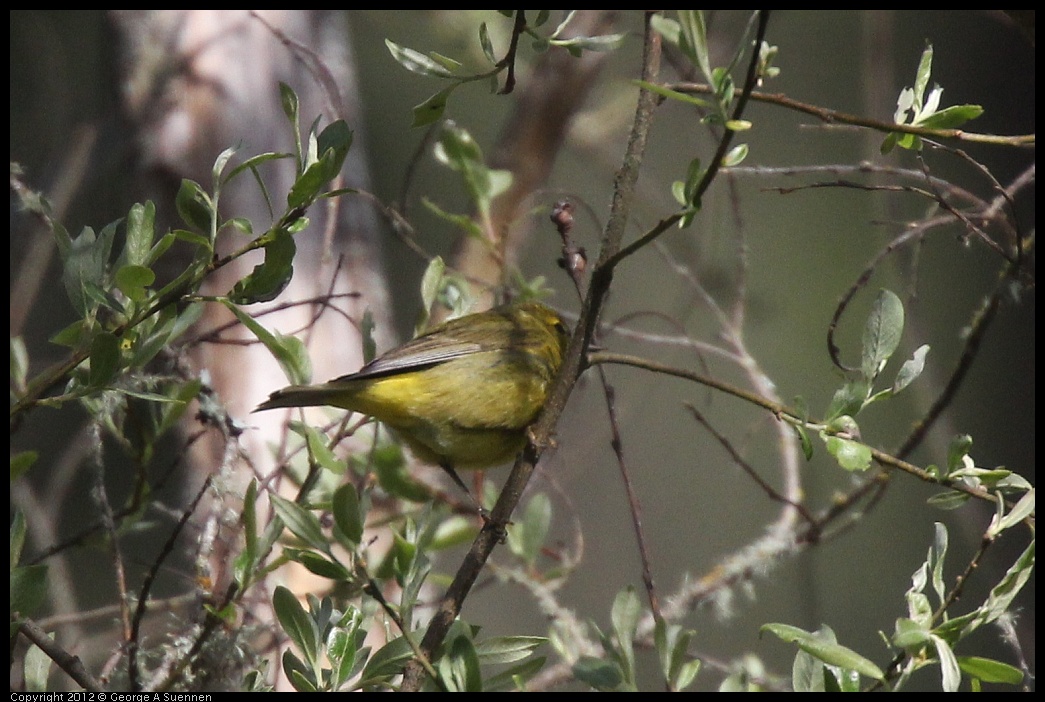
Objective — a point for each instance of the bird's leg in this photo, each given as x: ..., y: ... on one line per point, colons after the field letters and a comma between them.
x: 464, y: 488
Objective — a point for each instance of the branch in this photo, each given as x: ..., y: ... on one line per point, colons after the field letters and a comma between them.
x: 835, y: 117
x: 493, y: 530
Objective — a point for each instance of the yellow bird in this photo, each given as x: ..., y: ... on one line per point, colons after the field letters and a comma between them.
x: 462, y: 393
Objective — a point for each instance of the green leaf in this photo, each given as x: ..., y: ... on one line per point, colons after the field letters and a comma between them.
x: 315, y: 563
x: 394, y: 475
x: 416, y: 62
x: 949, y: 668
x: 105, y: 359
x: 21, y: 463
x: 831, y: 653
x: 921, y: 80
x: 387, y: 661
x: 301, y: 677
x: 194, y: 206
x: 321, y: 452
x: 1020, y: 511
x: 514, y: 677
x: 602, y: 42
x: 672, y: 644
x: 601, y: 674
x: 882, y: 333
x: 36, y: 670
x: 910, y: 635
x: 735, y: 156
x: 485, y: 43
x: 431, y: 282
x: 245, y: 562
x: 288, y: 351
x: 526, y: 536
x: 296, y: 623
x: 307, y: 187
x: 911, y: 369
x: 432, y: 109
x: 83, y: 266
x: 301, y: 522
x: 18, y: 357
x: 848, y: 399
x: 132, y: 281
x: 28, y: 588
x: 1002, y: 595
x: 336, y: 138
x: 667, y: 28
x: 625, y: 617
x: 851, y: 455
x: 673, y: 94
x: 693, y: 40
x: 251, y: 164
x: 957, y: 450
x: 16, y: 539
x: 951, y: 117
x: 507, y: 649
x: 289, y: 100
x: 347, y: 513
x: 141, y: 230
x: 459, y: 667
x: 990, y: 671
x: 948, y: 500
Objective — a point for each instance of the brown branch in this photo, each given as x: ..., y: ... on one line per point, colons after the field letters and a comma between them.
x: 829, y: 116
x: 540, y: 433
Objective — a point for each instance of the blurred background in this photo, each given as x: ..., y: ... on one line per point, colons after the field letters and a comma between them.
x: 803, y: 249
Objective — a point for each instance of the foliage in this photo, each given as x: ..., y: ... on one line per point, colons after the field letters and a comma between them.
x: 374, y: 620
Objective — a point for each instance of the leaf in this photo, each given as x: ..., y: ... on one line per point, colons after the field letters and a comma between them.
x: 133, y: 279
x: 387, y: 661
x: 526, y: 537
x: 625, y: 617
x: 1020, y: 511
x: 921, y: 80
x: 347, y: 514
x: 416, y: 62
x: 301, y: 522
x: 989, y: 670
x: 911, y: 369
x: 1002, y: 595
x: 105, y: 359
x: 485, y: 43
x: 288, y: 351
x: 20, y: 463
x: 673, y: 94
x: 848, y: 399
x: 28, y: 589
x: 602, y: 42
x: 432, y: 109
x: 335, y: 139
x: 194, y: 206
x: 507, y: 649
x: 831, y: 653
x: 735, y: 156
x: 882, y: 333
x: 693, y: 40
x: 317, y: 564
x: 600, y: 674
x: 949, y: 669
x: 951, y: 117
x: 321, y: 452
x: 851, y: 455
x: 141, y: 220
x: 296, y: 623
x: 289, y: 101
